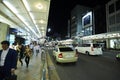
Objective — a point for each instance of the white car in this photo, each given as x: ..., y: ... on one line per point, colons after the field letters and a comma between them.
x: 63, y: 54
x: 90, y: 49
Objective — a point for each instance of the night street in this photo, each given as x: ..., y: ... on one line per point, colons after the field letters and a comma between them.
x: 104, y: 67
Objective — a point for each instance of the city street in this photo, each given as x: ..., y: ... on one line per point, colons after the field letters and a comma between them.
x: 104, y: 67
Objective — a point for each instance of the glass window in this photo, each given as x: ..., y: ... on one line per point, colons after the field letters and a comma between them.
x: 86, y: 45
x: 117, y: 5
x: 96, y: 45
x: 66, y: 49
x: 118, y: 18
x: 112, y: 20
x: 111, y: 8
x: 87, y: 20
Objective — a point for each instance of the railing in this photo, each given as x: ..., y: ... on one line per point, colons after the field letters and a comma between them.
x: 44, y: 65
x: 48, y: 69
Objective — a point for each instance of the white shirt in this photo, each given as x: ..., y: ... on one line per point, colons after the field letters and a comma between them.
x: 36, y: 47
x: 3, y: 56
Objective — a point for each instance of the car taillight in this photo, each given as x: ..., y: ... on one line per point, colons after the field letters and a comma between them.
x: 92, y: 49
x: 60, y: 55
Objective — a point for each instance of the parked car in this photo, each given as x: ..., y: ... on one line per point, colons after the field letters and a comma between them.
x: 64, y: 54
x: 89, y: 48
x: 118, y: 56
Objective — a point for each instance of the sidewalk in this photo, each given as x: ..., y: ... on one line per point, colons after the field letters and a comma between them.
x: 33, y: 72
x: 36, y: 67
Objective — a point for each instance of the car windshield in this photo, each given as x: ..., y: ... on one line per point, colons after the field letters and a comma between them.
x: 66, y: 49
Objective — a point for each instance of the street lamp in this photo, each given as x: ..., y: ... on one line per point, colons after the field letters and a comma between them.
x: 49, y: 29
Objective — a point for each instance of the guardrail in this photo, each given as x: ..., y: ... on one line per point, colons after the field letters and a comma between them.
x: 48, y: 69
x: 44, y: 70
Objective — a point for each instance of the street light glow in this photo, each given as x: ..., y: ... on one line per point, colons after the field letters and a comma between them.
x: 49, y: 29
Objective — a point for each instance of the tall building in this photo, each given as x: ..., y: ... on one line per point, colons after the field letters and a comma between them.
x: 113, y: 15
x: 113, y: 23
x: 87, y: 24
x: 111, y: 36
x: 100, y: 19
x: 76, y: 19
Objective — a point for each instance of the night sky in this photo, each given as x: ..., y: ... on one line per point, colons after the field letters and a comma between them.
x: 60, y: 13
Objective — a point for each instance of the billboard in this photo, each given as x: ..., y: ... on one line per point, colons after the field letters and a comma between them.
x: 87, y: 20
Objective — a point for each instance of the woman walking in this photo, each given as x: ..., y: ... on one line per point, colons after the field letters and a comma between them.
x: 28, y: 53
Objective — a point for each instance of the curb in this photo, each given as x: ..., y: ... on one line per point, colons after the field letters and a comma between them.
x: 52, y: 73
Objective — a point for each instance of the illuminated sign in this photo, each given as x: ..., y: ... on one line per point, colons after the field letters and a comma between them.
x: 87, y: 20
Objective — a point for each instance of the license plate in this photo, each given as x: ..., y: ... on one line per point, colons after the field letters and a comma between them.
x: 69, y: 56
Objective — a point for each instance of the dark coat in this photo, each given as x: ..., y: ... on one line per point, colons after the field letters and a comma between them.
x: 10, y: 60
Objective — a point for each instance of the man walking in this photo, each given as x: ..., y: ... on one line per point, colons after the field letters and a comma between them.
x: 8, y: 60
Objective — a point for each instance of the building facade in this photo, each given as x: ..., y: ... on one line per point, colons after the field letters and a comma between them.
x: 113, y: 23
x: 76, y: 19
x: 113, y: 15
x: 111, y: 38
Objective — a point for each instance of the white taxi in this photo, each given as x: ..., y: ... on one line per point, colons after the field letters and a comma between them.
x: 63, y: 54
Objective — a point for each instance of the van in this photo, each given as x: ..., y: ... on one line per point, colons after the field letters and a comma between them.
x: 89, y: 49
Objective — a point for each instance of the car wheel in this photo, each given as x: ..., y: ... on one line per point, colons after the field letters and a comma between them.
x: 87, y: 53
x: 118, y: 58
x: 74, y: 63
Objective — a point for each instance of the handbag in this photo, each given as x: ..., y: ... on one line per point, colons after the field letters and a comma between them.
x: 12, y: 77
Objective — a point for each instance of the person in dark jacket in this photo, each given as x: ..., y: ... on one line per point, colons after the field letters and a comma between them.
x: 8, y: 60
x: 21, y: 53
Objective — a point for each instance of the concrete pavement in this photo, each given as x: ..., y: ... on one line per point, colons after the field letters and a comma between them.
x: 51, y: 69
x: 33, y: 72
x: 41, y: 67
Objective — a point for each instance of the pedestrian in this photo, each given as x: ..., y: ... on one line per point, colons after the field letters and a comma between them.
x: 28, y: 53
x: 37, y: 49
x: 8, y: 60
x: 31, y: 47
x: 21, y: 54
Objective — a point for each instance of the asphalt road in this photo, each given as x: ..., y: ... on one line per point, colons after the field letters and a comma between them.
x: 104, y: 67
